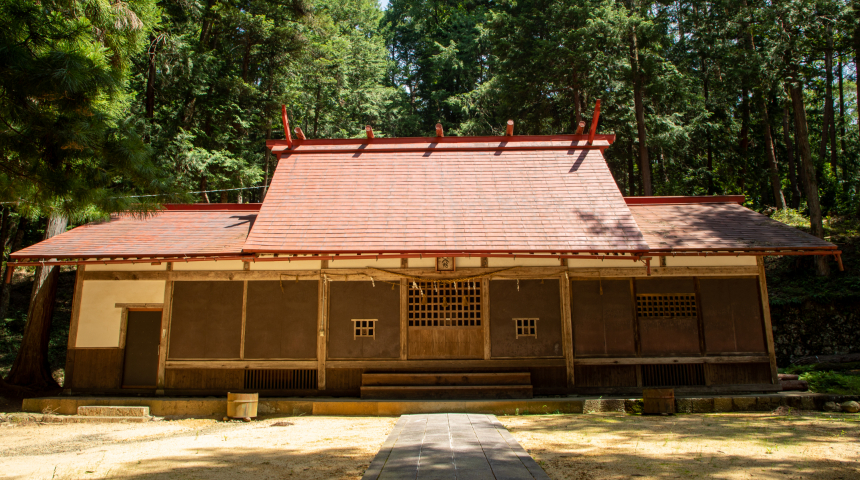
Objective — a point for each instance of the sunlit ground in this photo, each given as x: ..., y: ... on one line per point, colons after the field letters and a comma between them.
x: 813, y: 446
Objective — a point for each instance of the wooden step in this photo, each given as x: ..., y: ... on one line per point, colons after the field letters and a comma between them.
x: 446, y: 379
x: 445, y: 392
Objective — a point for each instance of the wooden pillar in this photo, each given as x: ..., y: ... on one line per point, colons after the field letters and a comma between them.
x: 567, y: 329
x: 73, y: 329
x: 768, y: 328
x: 244, y: 316
x: 322, y: 334
x: 404, y: 318
x: 166, y: 315
x: 485, y: 314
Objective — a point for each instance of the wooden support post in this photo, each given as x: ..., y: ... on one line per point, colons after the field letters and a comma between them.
x: 299, y: 133
x: 768, y: 328
x: 322, y: 334
x: 286, y: 122
x: 580, y: 128
x: 404, y: 319
x: 244, y: 317
x: 509, y: 129
x: 439, y: 131
x: 594, y: 120
x: 369, y: 130
x: 567, y: 329
x: 166, y: 315
x: 485, y: 315
x: 73, y: 328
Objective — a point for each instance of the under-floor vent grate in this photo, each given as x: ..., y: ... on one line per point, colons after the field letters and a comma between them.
x: 280, y: 379
x: 674, y: 375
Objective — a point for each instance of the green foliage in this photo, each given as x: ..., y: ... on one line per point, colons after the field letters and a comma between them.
x: 844, y: 381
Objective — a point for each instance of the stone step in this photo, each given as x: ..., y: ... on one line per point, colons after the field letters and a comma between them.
x: 403, y: 379
x: 93, y: 419
x: 107, y: 411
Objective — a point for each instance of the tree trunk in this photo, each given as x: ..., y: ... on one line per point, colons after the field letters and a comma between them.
x: 644, y: 164
x: 31, y: 368
x: 203, y: 187
x: 265, y: 188
x: 577, y: 108
x: 631, y: 173
x: 150, y: 82
x: 775, y: 182
x: 745, y: 135
x: 6, y: 289
x: 810, y: 182
x: 789, y: 150
x: 827, y: 124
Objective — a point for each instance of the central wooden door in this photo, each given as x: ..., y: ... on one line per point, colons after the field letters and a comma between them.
x: 140, y: 368
x: 445, y: 321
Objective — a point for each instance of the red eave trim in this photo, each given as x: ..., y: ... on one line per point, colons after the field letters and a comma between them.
x: 213, y: 206
x: 432, y: 143
x: 739, y: 199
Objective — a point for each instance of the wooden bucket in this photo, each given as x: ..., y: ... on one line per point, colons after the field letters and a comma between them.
x: 242, y: 405
x: 658, y: 401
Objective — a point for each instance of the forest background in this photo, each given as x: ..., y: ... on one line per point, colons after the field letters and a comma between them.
x: 111, y: 105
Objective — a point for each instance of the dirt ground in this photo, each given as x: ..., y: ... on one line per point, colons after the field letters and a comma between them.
x: 725, y: 446
x: 296, y: 447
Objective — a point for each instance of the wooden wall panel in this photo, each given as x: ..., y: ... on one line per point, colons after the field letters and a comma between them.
x: 548, y: 377
x: 344, y: 379
x: 605, y: 375
x: 732, y: 315
x: 446, y: 342
x: 206, y: 321
x: 361, y: 300
x: 281, y: 319
x: 668, y: 335
x: 603, y: 324
x: 95, y: 368
x: 204, y: 379
x: 737, y: 373
x: 533, y: 299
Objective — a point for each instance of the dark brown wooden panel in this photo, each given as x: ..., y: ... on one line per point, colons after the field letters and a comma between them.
x: 548, y: 377
x: 142, y: 335
x: 446, y: 342
x: 534, y: 299
x: 95, y: 368
x: 665, y: 285
x: 731, y: 313
x: 669, y: 335
x: 281, y: 319
x: 605, y: 375
x: 343, y: 379
x: 204, y: 379
x: 206, y: 320
x: 737, y: 373
x: 603, y: 324
x: 361, y: 300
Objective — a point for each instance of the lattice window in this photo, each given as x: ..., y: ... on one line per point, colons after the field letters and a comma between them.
x: 280, y: 379
x: 364, y: 328
x: 666, y: 305
x: 526, y: 327
x: 444, y: 304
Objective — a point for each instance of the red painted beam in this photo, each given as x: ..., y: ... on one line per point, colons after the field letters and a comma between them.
x: 594, y: 119
x: 739, y: 199
x: 442, y: 140
x: 212, y: 206
x: 287, y: 137
x: 432, y: 149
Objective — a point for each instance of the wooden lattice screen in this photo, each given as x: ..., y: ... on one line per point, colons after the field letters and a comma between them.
x: 281, y: 379
x: 666, y: 305
x: 673, y: 375
x: 445, y: 305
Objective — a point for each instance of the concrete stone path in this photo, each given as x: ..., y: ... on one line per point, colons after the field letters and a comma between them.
x: 452, y: 446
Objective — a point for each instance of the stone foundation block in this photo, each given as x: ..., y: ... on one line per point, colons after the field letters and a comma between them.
x: 703, y: 405
x: 104, y: 411
x: 743, y: 404
x: 683, y: 405
x: 722, y: 405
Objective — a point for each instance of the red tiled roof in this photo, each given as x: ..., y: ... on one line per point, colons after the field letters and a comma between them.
x: 173, y: 232
x: 424, y: 198
x: 716, y: 226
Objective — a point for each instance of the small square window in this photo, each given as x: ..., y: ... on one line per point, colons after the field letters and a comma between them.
x: 526, y: 327
x: 364, y: 328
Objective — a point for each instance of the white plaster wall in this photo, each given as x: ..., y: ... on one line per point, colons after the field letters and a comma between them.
x: 712, y: 261
x: 597, y: 263
x: 213, y: 265
x: 288, y: 265
x: 468, y: 262
x: 422, y: 262
x: 523, y: 261
x: 99, y: 322
x: 126, y: 267
x: 369, y: 262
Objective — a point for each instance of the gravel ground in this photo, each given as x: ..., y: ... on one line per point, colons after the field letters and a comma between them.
x: 296, y: 447
x: 724, y: 446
